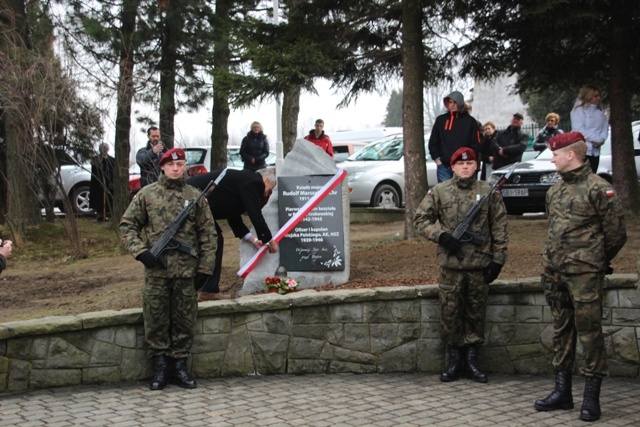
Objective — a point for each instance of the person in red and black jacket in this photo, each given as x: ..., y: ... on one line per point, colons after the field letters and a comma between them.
x: 452, y: 130
x: 318, y: 137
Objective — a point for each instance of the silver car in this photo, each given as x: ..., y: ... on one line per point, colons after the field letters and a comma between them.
x: 376, y: 173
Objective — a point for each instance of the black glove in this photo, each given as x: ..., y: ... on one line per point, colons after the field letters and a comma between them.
x: 491, y: 272
x: 147, y: 259
x: 609, y: 269
x: 450, y: 243
x: 200, y: 280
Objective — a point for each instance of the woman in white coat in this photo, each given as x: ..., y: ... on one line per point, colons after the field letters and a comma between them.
x: 587, y: 117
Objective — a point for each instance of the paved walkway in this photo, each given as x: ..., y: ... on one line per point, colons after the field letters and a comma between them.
x: 317, y: 400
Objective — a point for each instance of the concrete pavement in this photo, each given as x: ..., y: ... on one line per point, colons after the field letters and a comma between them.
x: 318, y: 400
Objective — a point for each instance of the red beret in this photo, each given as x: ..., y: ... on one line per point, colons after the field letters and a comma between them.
x: 171, y: 155
x: 564, y: 140
x: 464, y: 153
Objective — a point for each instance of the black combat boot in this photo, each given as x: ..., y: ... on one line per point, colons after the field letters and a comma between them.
x: 160, y: 372
x: 455, y: 365
x: 590, y: 410
x: 473, y: 367
x: 560, y: 397
x: 181, y: 376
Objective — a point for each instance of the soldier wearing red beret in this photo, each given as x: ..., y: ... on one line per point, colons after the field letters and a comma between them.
x: 466, y: 267
x: 169, y: 299
x: 586, y: 231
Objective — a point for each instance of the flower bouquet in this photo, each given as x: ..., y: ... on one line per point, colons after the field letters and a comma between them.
x: 280, y: 285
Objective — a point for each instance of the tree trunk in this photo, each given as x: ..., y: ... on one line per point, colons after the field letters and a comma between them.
x: 290, y: 112
x: 123, y: 113
x: 173, y: 22
x: 221, y: 62
x: 23, y: 208
x: 624, y: 167
x: 415, y: 176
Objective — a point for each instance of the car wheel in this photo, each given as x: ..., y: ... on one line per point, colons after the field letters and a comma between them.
x: 80, y: 200
x: 386, y: 196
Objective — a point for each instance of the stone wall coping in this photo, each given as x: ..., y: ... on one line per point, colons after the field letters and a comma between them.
x: 271, y: 302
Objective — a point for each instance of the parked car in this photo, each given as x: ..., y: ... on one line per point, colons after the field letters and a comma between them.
x: 364, y: 135
x: 527, y: 187
x: 343, y: 149
x: 198, y: 161
x: 376, y: 173
x: 76, y: 180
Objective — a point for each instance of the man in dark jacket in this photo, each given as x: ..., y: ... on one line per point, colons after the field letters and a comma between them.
x: 238, y: 192
x: 507, y: 147
x: 452, y: 130
x: 148, y: 157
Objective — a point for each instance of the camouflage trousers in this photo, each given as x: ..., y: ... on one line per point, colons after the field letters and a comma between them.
x: 170, y: 307
x: 463, y: 302
x: 576, y: 307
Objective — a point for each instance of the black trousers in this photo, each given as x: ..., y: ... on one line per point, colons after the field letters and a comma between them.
x: 594, y: 161
x: 213, y: 284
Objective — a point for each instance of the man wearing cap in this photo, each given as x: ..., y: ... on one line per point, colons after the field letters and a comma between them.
x: 452, y: 130
x: 466, y: 269
x: 586, y: 231
x: 148, y: 157
x: 509, y: 144
x: 169, y: 298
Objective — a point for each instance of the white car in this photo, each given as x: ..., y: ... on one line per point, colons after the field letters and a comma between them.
x: 376, y: 173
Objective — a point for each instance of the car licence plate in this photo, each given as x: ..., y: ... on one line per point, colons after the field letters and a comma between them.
x: 515, y: 192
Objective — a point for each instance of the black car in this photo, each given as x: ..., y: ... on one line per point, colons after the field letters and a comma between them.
x: 527, y: 187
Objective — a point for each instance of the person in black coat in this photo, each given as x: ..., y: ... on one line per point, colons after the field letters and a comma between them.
x: 254, y: 148
x: 238, y: 192
x: 509, y: 144
x: 103, y: 168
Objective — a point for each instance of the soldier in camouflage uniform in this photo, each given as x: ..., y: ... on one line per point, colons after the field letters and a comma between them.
x: 466, y: 269
x: 170, y: 301
x: 586, y: 230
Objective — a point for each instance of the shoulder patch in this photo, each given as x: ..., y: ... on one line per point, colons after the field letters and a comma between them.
x: 610, y: 192
x: 430, y: 192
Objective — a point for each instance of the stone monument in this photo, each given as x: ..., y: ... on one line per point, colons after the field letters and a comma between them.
x: 305, y: 159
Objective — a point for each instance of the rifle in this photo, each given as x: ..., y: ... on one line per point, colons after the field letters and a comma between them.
x: 461, y: 231
x: 167, y: 241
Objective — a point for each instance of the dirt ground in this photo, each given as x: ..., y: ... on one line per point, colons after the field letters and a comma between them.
x: 379, y: 257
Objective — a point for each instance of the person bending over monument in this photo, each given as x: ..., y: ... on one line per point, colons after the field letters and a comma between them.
x: 238, y: 192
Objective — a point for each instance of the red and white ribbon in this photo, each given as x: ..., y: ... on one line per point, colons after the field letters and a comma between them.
x: 294, y: 220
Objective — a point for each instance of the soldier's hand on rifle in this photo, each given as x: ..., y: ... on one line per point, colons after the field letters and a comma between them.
x: 147, y: 259
x: 200, y: 280
x: 450, y: 243
x: 491, y: 272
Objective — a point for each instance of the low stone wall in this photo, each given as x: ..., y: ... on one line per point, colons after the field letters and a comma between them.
x: 361, y: 331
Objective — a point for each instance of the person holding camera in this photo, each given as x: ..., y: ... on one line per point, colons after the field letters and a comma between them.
x: 5, y: 251
x: 148, y: 157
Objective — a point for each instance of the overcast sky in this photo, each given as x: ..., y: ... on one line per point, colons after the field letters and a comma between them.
x: 195, y: 128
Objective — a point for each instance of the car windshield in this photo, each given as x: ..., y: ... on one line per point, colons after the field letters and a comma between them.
x: 387, y: 148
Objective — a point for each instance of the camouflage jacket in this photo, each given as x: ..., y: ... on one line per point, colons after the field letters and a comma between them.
x: 586, y: 223
x: 151, y: 211
x: 446, y: 204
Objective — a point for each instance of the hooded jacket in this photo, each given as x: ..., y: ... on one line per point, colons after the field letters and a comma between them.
x: 453, y: 130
